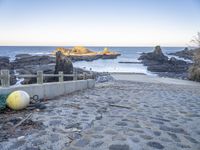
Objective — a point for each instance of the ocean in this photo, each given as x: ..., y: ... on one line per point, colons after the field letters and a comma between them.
x: 128, y: 54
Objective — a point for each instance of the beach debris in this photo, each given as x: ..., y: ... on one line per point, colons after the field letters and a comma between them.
x: 73, y: 106
x: 119, y: 106
x: 23, y: 120
x: 3, y: 101
x: 73, y: 125
x: 16, y: 126
x: 18, y: 100
x: 104, y: 78
x: 36, y: 106
x: 20, y: 138
x: 73, y: 130
x: 99, y: 117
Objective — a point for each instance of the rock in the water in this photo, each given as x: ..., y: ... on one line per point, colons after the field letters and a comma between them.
x: 29, y: 60
x: 186, y: 53
x: 156, y: 55
x: 157, y: 62
x: 63, y: 64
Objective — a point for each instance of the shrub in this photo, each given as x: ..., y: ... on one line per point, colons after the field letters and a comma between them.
x: 194, y: 70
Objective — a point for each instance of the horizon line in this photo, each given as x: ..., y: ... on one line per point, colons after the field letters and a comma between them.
x: 92, y: 46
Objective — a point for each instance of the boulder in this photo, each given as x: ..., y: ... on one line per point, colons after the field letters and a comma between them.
x: 63, y: 64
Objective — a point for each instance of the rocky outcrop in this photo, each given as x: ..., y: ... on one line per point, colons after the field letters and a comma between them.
x: 157, y: 62
x: 30, y: 60
x: 186, y: 53
x: 30, y: 64
x: 63, y: 64
x: 156, y: 56
x: 80, y: 53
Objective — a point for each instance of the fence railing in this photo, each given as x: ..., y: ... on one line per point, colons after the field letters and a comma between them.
x: 5, y: 76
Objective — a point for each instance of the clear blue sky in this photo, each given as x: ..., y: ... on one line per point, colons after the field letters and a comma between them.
x: 99, y: 22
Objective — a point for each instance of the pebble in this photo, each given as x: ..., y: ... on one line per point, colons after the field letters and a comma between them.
x: 121, y: 124
x: 174, y: 137
x: 119, y: 147
x: 157, y: 133
x: 135, y: 140
x: 155, y: 145
x: 97, y: 144
x: 192, y: 140
x: 82, y: 142
x: 98, y: 117
x: 170, y: 129
x: 21, y: 138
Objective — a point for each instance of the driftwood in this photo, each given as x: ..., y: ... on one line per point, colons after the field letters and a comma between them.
x: 119, y: 106
x: 73, y: 106
x: 18, y: 124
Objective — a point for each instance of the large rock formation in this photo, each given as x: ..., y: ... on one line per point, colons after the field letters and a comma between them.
x: 155, y: 56
x: 63, y: 64
x: 186, y: 53
x: 157, y: 62
x: 30, y: 60
x: 30, y: 64
x: 80, y: 53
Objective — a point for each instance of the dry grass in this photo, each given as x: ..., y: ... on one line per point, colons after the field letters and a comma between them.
x: 194, y: 70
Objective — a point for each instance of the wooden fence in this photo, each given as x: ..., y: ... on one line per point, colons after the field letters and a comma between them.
x: 5, y: 76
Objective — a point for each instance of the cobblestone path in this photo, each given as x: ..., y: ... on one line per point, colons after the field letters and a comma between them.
x: 119, y: 115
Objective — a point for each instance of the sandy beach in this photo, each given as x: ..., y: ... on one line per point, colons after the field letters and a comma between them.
x: 142, y: 113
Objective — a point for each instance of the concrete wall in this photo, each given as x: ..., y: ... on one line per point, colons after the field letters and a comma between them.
x: 51, y: 90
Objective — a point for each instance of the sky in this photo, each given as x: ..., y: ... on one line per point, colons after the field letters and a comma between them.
x: 98, y: 22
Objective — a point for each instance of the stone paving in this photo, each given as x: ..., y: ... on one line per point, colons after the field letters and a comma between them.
x: 119, y: 115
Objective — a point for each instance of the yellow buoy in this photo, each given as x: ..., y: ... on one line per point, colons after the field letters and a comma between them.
x: 18, y: 100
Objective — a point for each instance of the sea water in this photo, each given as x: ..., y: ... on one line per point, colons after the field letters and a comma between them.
x: 128, y: 54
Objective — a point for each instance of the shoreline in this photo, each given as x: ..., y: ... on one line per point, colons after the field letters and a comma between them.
x: 141, y: 70
x: 152, y: 79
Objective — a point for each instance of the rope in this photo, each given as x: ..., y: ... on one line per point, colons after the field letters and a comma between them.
x: 3, y: 101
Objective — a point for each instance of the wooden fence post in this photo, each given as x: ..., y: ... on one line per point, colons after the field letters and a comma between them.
x: 40, y: 77
x: 61, y: 79
x: 5, y: 78
x: 84, y: 76
x: 75, y: 74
